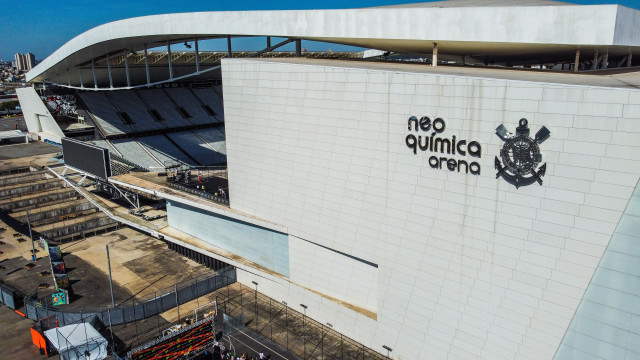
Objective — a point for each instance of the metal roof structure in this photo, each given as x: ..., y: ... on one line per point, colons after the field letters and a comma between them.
x: 114, y: 55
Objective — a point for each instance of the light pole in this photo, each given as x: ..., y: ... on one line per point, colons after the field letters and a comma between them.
x: 33, y: 248
x: 113, y: 305
x: 330, y: 325
x: 256, y: 301
x: 286, y: 321
x: 388, y: 350
x: 304, y: 330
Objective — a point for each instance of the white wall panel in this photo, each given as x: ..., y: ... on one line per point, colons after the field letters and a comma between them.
x: 469, y: 266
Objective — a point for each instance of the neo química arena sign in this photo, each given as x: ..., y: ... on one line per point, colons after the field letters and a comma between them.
x: 451, y: 153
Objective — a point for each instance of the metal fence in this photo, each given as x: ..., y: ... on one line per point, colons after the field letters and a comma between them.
x: 294, y: 331
x: 132, y: 310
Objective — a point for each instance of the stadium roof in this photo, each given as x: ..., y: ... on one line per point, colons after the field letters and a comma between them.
x: 513, y: 32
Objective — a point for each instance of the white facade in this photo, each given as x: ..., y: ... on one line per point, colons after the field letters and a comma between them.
x: 436, y: 264
x: 37, y: 117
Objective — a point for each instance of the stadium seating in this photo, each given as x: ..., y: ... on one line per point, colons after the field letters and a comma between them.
x: 185, y: 98
x: 143, y: 108
x: 209, y: 97
x: 215, y: 138
x: 127, y: 101
x: 197, y: 148
x: 106, y: 115
x: 159, y: 101
x: 132, y: 151
x: 103, y: 144
x: 164, y: 150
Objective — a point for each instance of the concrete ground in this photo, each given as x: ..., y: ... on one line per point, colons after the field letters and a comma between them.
x: 141, y: 266
x: 9, y: 123
x: 15, y: 336
x: 31, y: 149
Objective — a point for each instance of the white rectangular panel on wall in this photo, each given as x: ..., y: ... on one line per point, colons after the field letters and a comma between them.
x: 262, y: 246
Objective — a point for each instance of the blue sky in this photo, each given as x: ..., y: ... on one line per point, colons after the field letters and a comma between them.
x: 41, y: 27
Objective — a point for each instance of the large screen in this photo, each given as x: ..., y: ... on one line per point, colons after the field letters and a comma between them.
x: 86, y: 157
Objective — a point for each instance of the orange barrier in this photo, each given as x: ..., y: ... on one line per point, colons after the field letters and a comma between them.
x: 38, y: 340
x: 19, y: 313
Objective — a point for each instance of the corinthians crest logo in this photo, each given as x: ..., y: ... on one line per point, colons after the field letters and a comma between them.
x: 521, y: 155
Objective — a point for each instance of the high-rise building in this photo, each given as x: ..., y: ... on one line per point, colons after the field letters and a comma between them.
x: 25, y: 62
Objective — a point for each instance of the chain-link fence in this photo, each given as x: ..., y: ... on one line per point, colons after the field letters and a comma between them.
x: 297, y: 333
x: 151, y: 304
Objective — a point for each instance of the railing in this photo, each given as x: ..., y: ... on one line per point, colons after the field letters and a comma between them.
x: 200, y: 193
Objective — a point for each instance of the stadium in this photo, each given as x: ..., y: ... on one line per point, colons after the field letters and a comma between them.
x: 466, y: 189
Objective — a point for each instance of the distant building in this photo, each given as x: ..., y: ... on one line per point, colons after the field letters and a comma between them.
x: 25, y: 62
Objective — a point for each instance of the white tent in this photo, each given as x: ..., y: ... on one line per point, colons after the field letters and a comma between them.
x: 78, y: 342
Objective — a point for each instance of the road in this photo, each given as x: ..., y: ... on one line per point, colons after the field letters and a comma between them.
x: 9, y: 123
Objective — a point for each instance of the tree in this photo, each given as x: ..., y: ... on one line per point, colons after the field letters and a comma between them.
x: 9, y: 105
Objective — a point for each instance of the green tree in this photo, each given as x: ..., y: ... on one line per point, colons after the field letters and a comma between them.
x: 10, y: 105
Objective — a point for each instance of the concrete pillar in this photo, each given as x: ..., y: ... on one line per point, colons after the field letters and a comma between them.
x: 229, y: 45
x: 434, y: 56
x: 146, y: 64
x: 68, y: 79
x: 126, y: 67
x: 576, y: 63
x: 595, y: 61
x: 109, y: 72
x: 629, y: 59
x: 81, y: 82
x: 93, y: 69
x: 169, y: 60
x: 298, y: 48
x: 605, y: 60
x: 197, y: 55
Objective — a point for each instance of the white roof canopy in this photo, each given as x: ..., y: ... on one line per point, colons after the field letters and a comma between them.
x: 78, y: 341
x: 511, y: 31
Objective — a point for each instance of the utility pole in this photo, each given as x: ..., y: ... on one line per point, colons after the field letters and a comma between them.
x: 304, y: 330
x: 33, y: 247
x: 175, y: 288
x: 330, y: 325
x: 286, y: 321
x: 110, y: 279
x: 256, y: 303
x: 389, y: 350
